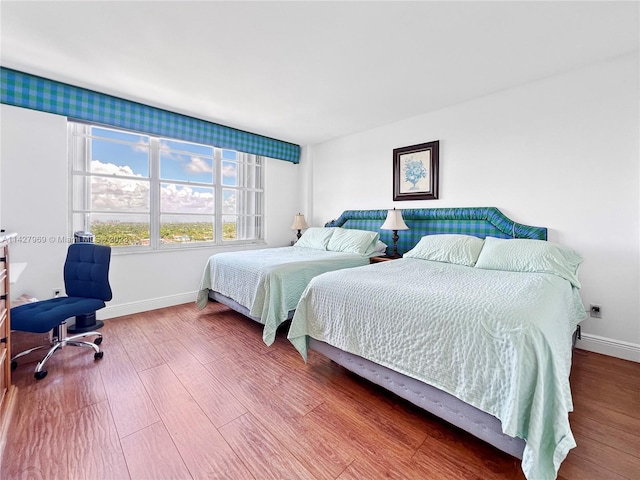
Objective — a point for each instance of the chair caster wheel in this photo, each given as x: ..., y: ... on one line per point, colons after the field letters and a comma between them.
x: 98, y: 355
x: 14, y: 365
x: 40, y: 375
x: 98, y: 341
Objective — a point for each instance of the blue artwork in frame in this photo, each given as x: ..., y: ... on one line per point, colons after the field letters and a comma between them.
x: 415, y: 172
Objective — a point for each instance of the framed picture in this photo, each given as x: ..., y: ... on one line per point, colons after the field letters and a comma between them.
x: 415, y: 172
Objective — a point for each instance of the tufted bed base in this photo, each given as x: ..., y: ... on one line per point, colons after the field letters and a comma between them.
x: 435, y: 401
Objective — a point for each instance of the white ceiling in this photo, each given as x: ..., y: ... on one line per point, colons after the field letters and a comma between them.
x: 307, y: 72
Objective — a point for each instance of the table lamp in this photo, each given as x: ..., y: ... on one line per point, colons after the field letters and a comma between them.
x: 299, y: 223
x: 394, y: 222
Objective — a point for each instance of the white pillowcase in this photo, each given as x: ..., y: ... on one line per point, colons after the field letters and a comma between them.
x: 361, y: 242
x: 380, y: 248
x: 523, y: 255
x: 448, y: 248
x: 315, y: 237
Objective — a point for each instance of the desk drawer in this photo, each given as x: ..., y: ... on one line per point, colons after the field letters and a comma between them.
x: 3, y: 290
x: 3, y: 277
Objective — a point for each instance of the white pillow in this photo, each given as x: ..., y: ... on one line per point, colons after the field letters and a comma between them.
x: 361, y: 242
x: 523, y: 255
x: 448, y: 248
x: 315, y: 237
x: 381, y: 247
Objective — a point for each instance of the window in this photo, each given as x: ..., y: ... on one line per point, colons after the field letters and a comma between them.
x: 144, y: 192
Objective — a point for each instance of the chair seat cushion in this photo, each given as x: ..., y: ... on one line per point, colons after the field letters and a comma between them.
x: 40, y: 317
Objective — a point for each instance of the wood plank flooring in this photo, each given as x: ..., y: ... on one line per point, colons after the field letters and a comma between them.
x: 188, y: 394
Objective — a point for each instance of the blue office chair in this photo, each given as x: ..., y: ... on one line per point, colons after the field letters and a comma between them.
x: 86, y: 282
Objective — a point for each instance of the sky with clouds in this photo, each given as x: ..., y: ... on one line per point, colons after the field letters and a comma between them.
x: 179, y: 161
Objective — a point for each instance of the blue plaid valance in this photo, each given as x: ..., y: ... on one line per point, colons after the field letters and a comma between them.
x: 29, y: 91
x: 477, y: 221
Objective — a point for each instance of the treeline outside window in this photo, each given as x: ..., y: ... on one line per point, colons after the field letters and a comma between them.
x: 141, y: 192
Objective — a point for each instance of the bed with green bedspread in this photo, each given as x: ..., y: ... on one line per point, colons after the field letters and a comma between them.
x: 500, y: 341
x: 495, y: 336
x: 268, y: 282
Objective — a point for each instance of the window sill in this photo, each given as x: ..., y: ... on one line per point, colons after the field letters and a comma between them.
x: 228, y: 247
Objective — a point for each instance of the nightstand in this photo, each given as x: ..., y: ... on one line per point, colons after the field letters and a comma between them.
x: 383, y: 258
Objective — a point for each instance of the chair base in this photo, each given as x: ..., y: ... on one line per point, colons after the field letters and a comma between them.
x: 85, y: 323
x: 58, y: 340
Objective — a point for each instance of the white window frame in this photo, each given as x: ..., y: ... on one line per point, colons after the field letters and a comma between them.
x: 155, y: 183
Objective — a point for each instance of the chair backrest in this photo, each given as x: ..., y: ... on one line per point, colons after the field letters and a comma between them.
x: 86, y: 271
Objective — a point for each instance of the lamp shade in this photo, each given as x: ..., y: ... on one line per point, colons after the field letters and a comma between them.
x: 394, y: 221
x: 299, y: 223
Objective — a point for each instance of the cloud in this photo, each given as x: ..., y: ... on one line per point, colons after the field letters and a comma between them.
x: 229, y: 173
x: 114, y: 194
x: 110, y: 169
x: 183, y: 199
x: 229, y: 169
x: 229, y: 204
x: 196, y: 165
x: 141, y: 146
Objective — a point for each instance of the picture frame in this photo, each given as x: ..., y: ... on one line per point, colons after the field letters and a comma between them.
x: 415, y: 172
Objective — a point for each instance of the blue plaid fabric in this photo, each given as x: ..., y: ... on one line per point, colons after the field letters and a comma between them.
x: 480, y: 222
x: 28, y: 91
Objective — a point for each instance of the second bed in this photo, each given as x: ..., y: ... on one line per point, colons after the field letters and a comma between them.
x: 265, y: 285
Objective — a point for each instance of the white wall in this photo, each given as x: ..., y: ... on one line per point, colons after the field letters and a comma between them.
x: 34, y: 202
x: 561, y: 153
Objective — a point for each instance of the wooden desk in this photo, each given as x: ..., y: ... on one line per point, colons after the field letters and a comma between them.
x: 8, y: 391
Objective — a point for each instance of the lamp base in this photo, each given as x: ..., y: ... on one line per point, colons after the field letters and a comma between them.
x: 395, y: 245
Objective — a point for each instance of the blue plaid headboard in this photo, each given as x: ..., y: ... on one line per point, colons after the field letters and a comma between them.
x: 480, y: 222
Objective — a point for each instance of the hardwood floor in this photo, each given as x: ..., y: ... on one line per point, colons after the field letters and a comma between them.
x: 182, y: 394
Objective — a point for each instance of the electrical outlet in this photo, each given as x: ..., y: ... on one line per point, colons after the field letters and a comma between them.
x: 56, y: 292
x: 595, y: 311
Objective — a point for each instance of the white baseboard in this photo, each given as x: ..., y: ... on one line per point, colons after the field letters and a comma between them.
x: 111, y: 311
x: 608, y: 346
